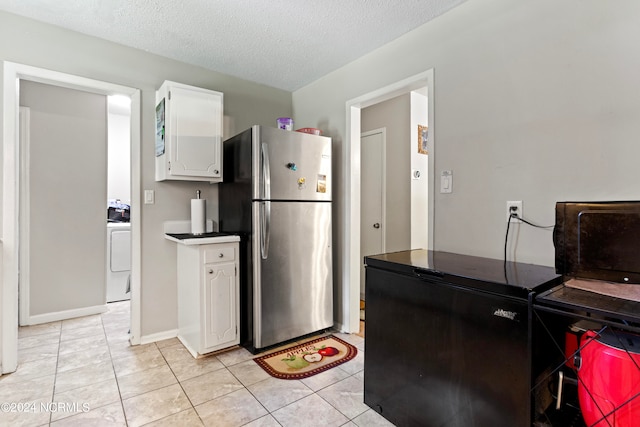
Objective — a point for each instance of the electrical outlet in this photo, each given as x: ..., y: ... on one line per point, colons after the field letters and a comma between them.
x: 514, y: 207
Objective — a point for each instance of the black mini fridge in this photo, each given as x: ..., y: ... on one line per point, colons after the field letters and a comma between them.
x: 449, y: 339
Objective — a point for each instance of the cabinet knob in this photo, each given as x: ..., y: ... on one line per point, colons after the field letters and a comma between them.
x: 210, y: 271
x: 220, y: 255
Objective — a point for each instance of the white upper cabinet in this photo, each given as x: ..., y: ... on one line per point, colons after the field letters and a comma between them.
x: 188, y: 133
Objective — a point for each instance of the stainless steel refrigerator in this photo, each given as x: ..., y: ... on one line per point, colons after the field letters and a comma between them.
x: 276, y: 194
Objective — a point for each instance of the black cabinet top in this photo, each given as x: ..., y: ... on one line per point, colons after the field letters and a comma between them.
x: 491, y: 275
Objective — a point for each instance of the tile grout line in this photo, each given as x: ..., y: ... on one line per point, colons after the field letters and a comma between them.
x: 181, y: 388
x: 124, y: 413
x: 248, y: 391
x: 55, y: 378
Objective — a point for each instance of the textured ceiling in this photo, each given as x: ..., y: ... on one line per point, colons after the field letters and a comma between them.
x: 281, y: 43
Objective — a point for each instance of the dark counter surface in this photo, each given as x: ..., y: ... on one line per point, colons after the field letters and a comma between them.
x: 201, y: 239
x: 576, y: 300
x: 492, y: 275
x: 183, y: 236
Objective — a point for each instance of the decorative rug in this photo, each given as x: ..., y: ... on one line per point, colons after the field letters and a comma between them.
x: 305, y: 360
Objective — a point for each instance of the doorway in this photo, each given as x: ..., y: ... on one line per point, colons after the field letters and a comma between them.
x: 12, y: 74
x: 63, y: 179
x: 350, y: 321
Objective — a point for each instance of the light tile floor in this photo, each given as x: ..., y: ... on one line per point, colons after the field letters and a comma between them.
x: 83, y: 371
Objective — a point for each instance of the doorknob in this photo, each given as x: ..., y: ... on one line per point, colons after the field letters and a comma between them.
x: 376, y: 225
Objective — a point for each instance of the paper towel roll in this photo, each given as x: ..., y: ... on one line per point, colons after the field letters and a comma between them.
x: 198, y: 216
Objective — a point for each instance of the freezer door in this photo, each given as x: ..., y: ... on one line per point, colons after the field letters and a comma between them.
x: 292, y: 267
x: 290, y: 165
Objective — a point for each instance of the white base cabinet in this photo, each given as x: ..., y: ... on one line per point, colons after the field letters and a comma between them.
x: 208, y: 297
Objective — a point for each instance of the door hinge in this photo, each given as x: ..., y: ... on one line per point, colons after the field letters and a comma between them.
x: 169, y: 95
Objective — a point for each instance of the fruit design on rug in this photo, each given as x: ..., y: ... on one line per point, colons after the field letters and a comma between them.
x: 308, y: 356
x: 307, y: 359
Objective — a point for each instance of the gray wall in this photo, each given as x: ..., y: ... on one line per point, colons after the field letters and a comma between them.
x: 29, y: 42
x: 535, y: 101
x: 67, y: 196
x: 395, y: 116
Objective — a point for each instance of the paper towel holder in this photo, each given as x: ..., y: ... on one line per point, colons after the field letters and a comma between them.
x: 198, y: 215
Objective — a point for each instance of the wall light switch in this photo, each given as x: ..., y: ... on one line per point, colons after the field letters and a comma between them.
x: 149, y: 197
x: 446, y: 181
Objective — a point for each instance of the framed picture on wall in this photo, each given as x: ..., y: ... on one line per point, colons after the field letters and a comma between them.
x: 423, y: 133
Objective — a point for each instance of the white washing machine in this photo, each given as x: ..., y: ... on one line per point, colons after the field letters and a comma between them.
x: 118, y: 261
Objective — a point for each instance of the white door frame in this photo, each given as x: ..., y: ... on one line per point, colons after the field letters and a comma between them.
x: 351, y: 173
x: 12, y: 74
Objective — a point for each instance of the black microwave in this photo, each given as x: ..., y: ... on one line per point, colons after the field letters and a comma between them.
x: 598, y: 240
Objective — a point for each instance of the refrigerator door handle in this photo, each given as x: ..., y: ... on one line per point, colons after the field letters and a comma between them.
x: 265, y: 222
x: 265, y: 211
x: 266, y: 173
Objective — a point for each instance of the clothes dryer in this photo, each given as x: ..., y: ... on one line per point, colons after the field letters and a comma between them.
x: 118, y: 261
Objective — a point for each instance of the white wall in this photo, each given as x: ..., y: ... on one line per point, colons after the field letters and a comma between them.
x: 419, y: 163
x: 534, y: 101
x: 246, y: 104
x: 118, y: 154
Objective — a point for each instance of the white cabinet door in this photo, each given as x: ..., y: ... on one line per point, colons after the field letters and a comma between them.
x: 189, y: 133
x: 220, y: 304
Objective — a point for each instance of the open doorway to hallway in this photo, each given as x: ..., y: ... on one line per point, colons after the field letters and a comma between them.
x: 394, y: 179
x: 352, y: 256
x: 75, y: 248
x: 11, y: 197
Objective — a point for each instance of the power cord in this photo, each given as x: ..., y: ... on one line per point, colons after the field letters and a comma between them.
x: 516, y: 216
x: 506, y: 237
x: 506, y: 240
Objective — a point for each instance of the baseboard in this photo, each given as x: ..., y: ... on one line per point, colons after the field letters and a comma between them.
x: 190, y: 349
x: 64, y: 315
x: 158, y: 336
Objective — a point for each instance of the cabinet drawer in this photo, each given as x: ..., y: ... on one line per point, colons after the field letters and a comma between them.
x: 219, y: 254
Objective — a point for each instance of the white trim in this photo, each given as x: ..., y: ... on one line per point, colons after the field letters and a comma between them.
x: 24, y: 183
x: 10, y: 192
x: 12, y: 73
x: 136, y: 218
x: 351, y: 173
x: 188, y: 346
x: 66, y: 314
x: 159, y: 336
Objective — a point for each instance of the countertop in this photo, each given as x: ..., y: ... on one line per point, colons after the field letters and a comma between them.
x: 201, y: 239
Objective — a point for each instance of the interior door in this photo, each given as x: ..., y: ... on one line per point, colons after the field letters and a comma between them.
x: 372, y: 227
x: 64, y: 206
